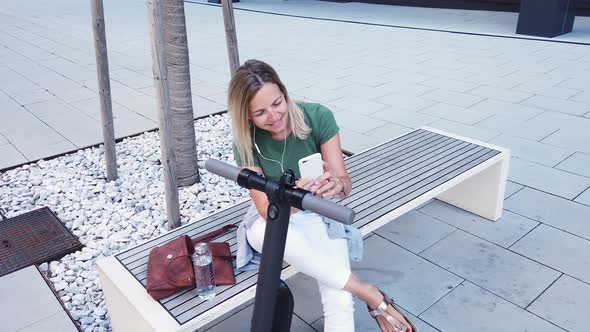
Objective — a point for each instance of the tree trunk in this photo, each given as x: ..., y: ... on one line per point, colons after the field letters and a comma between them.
x: 179, y: 82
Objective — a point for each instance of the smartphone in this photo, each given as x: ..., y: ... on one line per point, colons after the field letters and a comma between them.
x: 311, y: 167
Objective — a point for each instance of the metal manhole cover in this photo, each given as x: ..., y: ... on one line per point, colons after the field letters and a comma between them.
x: 33, y: 238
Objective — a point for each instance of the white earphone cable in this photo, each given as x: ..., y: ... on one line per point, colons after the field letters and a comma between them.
x: 260, y: 153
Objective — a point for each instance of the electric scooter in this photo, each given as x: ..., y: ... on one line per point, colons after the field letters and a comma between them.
x: 273, y: 304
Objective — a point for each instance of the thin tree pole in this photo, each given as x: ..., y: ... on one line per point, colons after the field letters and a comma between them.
x: 163, y: 104
x: 104, y: 88
x: 230, y: 35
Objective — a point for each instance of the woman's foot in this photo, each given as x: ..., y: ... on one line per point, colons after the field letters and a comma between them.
x: 388, y: 317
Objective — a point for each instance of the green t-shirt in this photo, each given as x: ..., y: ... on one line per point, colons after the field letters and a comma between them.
x: 323, y: 127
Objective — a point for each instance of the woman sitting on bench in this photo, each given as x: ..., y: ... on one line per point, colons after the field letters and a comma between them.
x: 271, y: 133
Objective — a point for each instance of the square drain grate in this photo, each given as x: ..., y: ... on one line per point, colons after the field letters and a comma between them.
x: 33, y: 238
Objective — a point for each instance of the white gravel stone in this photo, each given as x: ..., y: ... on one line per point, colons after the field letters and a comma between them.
x: 108, y: 217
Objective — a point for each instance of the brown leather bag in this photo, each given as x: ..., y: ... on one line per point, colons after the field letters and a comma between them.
x: 170, y: 266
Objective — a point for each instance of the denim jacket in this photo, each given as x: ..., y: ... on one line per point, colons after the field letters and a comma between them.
x: 248, y: 259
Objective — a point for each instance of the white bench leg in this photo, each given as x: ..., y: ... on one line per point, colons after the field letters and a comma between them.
x: 481, y: 194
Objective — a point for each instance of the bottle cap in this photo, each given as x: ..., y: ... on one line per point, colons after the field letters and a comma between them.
x: 201, y: 248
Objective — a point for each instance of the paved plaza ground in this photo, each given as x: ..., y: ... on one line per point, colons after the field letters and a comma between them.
x: 530, y: 271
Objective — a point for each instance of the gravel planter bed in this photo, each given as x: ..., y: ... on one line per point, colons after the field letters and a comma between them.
x: 108, y: 217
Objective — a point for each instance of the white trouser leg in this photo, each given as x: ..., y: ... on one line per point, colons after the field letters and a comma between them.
x: 309, y: 250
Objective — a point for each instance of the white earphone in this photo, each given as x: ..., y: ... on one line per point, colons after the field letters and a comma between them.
x: 260, y: 153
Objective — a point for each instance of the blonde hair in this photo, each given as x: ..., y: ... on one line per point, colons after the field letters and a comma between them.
x: 244, y: 85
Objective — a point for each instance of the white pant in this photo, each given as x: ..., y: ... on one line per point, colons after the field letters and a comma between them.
x: 309, y: 250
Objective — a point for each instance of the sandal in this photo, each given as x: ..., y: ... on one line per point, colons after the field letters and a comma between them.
x: 381, y: 310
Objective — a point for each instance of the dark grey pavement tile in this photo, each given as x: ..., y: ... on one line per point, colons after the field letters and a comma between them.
x: 557, y: 249
x: 415, y: 231
x: 308, y: 302
x: 469, y: 308
x: 241, y: 321
x: 510, y: 276
x: 364, y: 322
x: 546, y: 178
x: 412, y: 281
x: 563, y: 304
x: 25, y: 299
x: 552, y: 210
x: 504, y: 232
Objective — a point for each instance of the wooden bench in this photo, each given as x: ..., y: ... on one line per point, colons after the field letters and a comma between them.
x: 388, y: 180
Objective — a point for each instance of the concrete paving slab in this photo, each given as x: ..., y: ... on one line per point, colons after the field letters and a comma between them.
x: 76, y: 127
x: 548, y: 179
x: 578, y: 163
x: 389, y: 131
x: 455, y: 113
x: 573, y: 138
x: 308, y: 302
x: 552, y: 210
x: 48, y: 109
x: 583, y: 97
x: 557, y: 105
x: 357, y: 122
x: 412, y: 281
x: 241, y: 322
x: 526, y: 129
x: 3, y: 140
x: 512, y: 188
x: 404, y: 118
x: 355, y: 142
x: 514, y: 112
x: 453, y: 98
x: 532, y: 151
x: 470, y: 308
x: 25, y: 299
x: 506, y: 95
x: 406, y: 102
x: 557, y: 249
x: 358, y: 105
x: 504, y: 232
x: 553, y: 91
x: 561, y: 304
x: 31, y: 97
x: 415, y: 231
x: 584, y: 197
x: 10, y: 155
x: 364, y: 322
x: 59, y: 321
x: 465, y: 130
x: 404, y: 87
x: 508, y: 275
x: 449, y: 84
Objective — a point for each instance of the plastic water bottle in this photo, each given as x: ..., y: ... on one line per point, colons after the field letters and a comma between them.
x: 204, y: 275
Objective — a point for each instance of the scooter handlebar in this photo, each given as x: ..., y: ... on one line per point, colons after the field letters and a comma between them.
x: 310, y: 202
x: 222, y: 169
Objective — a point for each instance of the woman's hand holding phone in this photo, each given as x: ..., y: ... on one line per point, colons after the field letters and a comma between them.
x: 317, y: 177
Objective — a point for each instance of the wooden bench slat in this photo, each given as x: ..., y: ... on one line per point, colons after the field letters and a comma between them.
x: 394, y: 179
x: 383, y: 207
x: 383, y: 150
x: 400, y: 165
